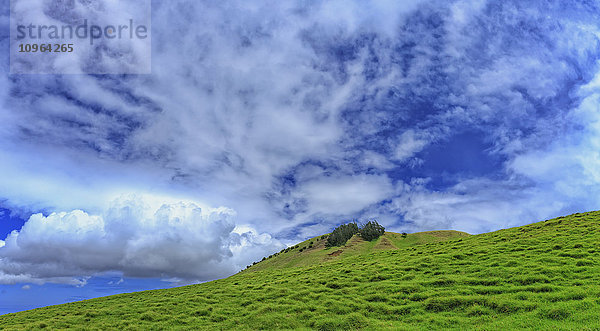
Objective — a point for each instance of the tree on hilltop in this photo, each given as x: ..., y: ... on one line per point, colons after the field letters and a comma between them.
x: 341, y: 234
x: 372, y: 230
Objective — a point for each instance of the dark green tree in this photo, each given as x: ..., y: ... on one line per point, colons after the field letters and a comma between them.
x: 372, y: 230
x: 341, y: 234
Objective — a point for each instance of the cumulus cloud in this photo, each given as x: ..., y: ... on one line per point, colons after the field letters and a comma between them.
x: 136, y: 237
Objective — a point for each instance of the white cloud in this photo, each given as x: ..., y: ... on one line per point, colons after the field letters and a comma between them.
x: 136, y: 237
x: 561, y: 178
x: 474, y: 206
x: 257, y: 101
x: 375, y: 160
x: 410, y: 144
x: 345, y: 195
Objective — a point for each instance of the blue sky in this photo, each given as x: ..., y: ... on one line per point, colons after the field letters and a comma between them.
x: 264, y: 123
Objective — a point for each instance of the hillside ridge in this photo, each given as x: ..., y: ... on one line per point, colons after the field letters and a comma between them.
x: 544, y: 275
x: 313, y: 250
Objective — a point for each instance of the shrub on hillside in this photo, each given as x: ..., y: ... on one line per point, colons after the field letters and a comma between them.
x: 372, y: 230
x: 341, y: 234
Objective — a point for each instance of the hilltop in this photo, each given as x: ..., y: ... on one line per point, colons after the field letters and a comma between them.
x: 313, y: 251
x: 544, y: 275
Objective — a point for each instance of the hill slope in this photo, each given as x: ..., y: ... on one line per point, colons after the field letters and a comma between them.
x: 544, y: 275
x: 313, y: 251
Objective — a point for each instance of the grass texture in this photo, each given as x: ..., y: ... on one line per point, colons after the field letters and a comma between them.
x: 540, y: 276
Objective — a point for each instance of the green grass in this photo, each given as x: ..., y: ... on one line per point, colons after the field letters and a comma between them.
x: 318, y: 253
x: 540, y: 276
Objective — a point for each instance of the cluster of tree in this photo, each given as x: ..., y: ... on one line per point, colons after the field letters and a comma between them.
x: 341, y: 234
x: 370, y: 231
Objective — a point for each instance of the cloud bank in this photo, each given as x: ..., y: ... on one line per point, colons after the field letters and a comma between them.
x: 178, y: 241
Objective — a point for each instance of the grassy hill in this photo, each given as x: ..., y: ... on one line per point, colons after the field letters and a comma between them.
x: 313, y: 251
x: 540, y: 276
